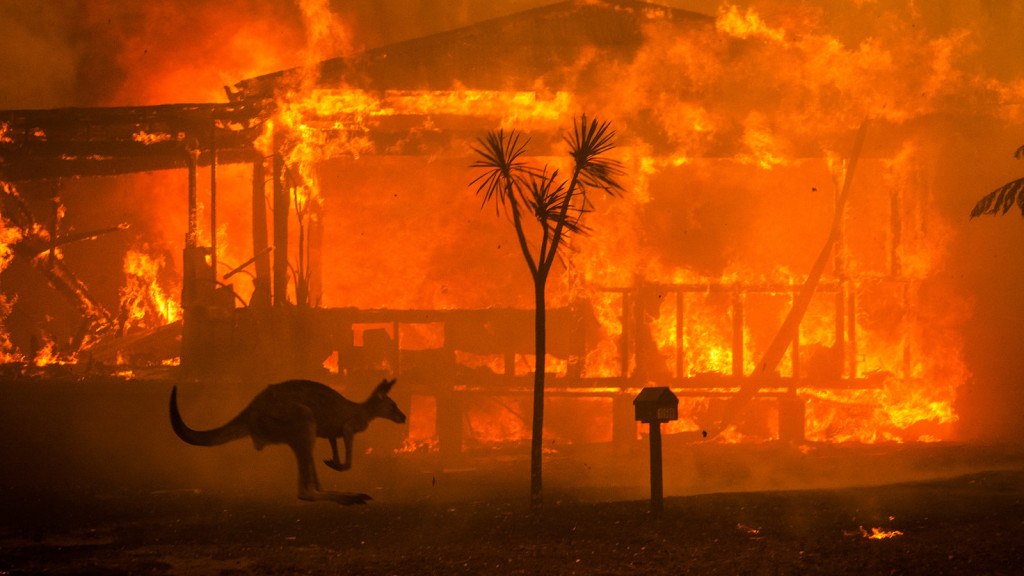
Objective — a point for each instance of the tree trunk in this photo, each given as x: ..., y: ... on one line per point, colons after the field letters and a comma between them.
x: 540, y: 353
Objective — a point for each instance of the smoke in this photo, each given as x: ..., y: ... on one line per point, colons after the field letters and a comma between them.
x: 124, y: 53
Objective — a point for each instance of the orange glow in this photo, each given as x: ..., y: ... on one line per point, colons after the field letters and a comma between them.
x: 496, y: 420
x: 495, y: 363
x: 422, y: 431
x: 331, y: 363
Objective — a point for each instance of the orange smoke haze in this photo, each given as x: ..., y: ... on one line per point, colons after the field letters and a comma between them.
x: 124, y: 53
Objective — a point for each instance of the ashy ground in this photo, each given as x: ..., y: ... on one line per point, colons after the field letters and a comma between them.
x: 93, y: 481
x: 972, y: 524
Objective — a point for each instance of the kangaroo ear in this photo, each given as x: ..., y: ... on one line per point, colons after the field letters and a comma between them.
x: 385, y: 385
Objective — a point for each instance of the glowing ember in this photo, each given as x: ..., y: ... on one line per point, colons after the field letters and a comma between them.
x: 744, y: 528
x: 879, y: 533
x: 149, y: 138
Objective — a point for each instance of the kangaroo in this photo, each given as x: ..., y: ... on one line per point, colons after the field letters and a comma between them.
x: 296, y: 413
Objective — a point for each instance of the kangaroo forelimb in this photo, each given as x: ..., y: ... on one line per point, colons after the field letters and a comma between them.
x: 335, y: 462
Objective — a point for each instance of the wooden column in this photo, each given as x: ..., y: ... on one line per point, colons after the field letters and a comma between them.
x: 281, y: 201
x: 681, y: 369
x: 314, y: 255
x: 840, y: 346
x: 737, y: 334
x: 795, y: 350
x: 213, y: 200
x: 625, y: 336
x: 851, y: 331
x: 193, y: 220
x: 260, y: 241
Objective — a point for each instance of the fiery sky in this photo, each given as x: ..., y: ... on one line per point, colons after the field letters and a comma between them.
x: 121, y: 52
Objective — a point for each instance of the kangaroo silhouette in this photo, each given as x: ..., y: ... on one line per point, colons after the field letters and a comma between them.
x: 296, y: 413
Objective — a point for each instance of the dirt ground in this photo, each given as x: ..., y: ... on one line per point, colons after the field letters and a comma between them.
x: 968, y: 525
x: 94, y: 482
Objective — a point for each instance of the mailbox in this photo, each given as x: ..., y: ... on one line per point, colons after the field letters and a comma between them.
x: 656, y: 404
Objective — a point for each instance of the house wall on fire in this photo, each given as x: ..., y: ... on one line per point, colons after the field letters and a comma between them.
x: 731, y: 191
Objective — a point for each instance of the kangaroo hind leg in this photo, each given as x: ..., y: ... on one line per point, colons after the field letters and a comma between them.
x: 309, y: 485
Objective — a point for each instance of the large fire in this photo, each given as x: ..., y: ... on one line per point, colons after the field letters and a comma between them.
x: 737, y: 135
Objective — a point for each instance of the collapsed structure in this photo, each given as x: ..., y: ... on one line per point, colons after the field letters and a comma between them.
x: 686, y: 286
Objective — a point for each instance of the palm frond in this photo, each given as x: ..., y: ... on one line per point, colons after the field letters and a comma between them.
x: 603, y: 174
x: 587, y: 145
x: 500, y: 155
x: 546, y: 196
x: 1000, y: 200
x: 590, y: 140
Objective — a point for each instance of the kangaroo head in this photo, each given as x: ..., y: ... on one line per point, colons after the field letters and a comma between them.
x: 383, y: 405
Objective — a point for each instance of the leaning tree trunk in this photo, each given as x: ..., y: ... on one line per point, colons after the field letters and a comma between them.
x: 540, y: 353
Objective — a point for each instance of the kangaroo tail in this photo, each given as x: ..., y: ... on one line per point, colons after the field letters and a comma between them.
x: 233, y: 430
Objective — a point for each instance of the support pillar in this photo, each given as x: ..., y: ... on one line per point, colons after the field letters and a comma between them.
x: 681, y: 369
x: 260, y: 241
x: 213, y: 200
x: 737, y: 334
x: 281, y: 208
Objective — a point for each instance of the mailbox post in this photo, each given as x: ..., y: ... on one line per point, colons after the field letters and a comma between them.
x: 654, y: 405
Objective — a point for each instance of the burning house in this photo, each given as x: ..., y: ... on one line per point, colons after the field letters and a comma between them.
x: 320, y: 223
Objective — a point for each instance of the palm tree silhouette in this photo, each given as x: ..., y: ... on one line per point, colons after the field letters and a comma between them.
x: 558, y: 206
x: 1000, y: 200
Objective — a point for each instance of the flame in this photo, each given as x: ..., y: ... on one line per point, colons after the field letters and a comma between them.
x: 762, y: 144
x: 748, y: 24
x: 523, y: 110
x: 144, y: 303
x: 7, y: 351
x: 9, y: 237
x: 326, y: 34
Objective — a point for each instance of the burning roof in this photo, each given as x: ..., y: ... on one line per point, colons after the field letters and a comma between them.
x: 37, y: 144
x: 547, y: 48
